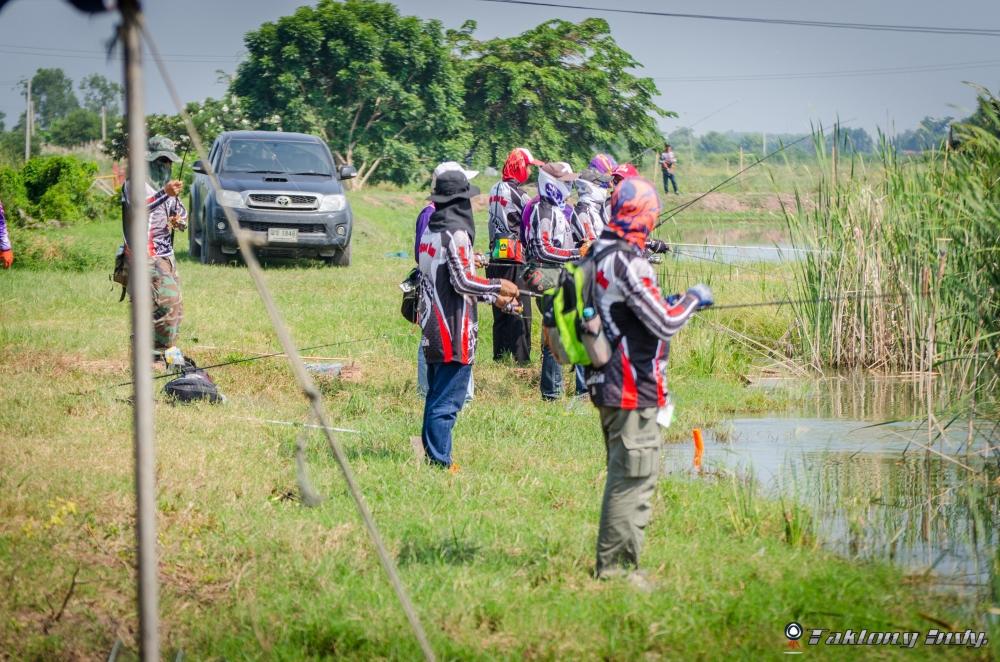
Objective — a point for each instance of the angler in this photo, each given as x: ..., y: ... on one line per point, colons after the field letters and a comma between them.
x: 547, y: 223
x: 423, y: 219
x: 449, y: 290
x: 511, y: 334
x: 166, y: 214
x: 630, y: 390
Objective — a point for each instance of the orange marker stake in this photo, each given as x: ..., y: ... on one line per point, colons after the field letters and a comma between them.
x: 699, y: 449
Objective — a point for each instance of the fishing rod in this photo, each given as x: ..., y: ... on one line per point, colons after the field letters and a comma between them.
x: 670, y: 213
x: 791, y: 302
x: 782, y: 302
x: 271, y: 355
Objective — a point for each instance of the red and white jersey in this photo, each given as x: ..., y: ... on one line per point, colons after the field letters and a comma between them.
x: 507, y: 201
x: 550, y: 233
x: 639, y: 323
x: 449, y: 290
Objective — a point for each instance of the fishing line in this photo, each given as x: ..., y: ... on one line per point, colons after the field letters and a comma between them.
x: 268, y: 356
x: 793, y: 302
x: 302, y: 377
x: 670, y: 213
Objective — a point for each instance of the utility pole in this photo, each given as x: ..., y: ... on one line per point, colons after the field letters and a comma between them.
x: 142, y: 340
x: 27, y: 123
x: 104, y: 123
x: 763, y: 144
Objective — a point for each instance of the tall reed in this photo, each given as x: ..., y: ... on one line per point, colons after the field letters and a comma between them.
x: 909, y: 272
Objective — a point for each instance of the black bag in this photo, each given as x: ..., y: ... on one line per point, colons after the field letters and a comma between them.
x: 120, y: 273
x: 193, y: 384
x: 411, y: 296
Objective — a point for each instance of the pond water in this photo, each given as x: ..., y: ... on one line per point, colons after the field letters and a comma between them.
x: 875, y: 489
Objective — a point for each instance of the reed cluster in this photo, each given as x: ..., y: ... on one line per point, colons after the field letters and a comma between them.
x: 907, y: 276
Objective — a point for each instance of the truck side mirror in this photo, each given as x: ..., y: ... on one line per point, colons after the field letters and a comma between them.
x: 198, y: 167
x: 348, y: 172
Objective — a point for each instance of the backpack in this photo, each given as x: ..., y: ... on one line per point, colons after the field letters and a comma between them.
x: 120, y: 273
x: 193, y: 384
x: 411, y: 296
x: 573, y: 328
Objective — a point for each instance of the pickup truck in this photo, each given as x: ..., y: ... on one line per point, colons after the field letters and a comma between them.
x: 284, y: 190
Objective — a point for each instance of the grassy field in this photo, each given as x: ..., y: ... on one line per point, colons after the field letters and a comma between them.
x: 497, y: 558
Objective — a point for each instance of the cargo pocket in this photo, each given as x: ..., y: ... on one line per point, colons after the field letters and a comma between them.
x: 641, y: 439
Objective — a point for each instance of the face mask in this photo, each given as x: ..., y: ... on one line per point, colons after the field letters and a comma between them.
x: 159, y: 173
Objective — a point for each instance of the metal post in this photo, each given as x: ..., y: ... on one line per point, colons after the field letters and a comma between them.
x: 27, y: 123
x: 142, y: 340
x: 104, y: 124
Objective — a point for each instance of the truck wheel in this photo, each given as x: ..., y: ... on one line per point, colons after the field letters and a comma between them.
x: 342, y: 258
x: 194, y: 248
x: 211, y: 253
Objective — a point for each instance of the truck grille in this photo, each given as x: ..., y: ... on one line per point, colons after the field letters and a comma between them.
x: 283, y: 201
x: 302, y: 227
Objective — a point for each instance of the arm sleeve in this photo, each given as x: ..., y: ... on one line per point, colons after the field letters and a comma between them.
x: 152, y: 202
x: 463, y: 276
x: 541, y: 238
x: 4, y: 237
x: 643, y: 296
x: 583, y: 229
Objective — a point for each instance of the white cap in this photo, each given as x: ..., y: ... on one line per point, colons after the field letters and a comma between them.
x: 452, y: 166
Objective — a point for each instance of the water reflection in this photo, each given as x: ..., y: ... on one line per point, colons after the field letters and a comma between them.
x: 924, y: 499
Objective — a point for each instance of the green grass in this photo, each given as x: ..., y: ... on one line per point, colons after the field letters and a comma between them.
x: 497, y: 558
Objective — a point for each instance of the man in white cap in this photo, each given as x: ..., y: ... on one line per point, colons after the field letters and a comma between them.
x: 448, y: 316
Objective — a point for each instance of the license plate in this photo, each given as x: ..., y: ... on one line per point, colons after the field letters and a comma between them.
x: 290, y: 235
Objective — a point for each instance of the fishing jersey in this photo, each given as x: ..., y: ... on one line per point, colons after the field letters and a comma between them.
x: 638, y: 323
x: 507, y: 201
x: 449, y: 289
x: 592, y: 219
x: 4, y: 237
x: 549, y: 231
x: 159, y: 207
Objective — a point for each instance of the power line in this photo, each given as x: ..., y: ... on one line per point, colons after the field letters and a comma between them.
x: 877, y: 27
x: 844, y: 73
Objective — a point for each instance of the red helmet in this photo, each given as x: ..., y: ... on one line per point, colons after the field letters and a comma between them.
x: 624, y: 171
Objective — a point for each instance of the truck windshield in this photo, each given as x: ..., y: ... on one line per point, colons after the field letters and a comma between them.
x: 276, y: 156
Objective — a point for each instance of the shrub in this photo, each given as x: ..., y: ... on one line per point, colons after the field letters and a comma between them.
x: 53, y: 188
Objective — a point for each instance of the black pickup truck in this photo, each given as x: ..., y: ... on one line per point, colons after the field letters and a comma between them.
x: 284, y: 190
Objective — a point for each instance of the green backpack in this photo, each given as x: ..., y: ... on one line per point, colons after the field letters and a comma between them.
x: 572, y: 325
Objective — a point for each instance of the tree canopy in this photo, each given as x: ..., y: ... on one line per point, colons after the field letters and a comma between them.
x: 380, y: 88
x: 52, y: 92
x: 562, y: 89
x: 100, y: 92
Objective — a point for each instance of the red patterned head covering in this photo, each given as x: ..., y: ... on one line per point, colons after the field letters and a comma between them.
x: 624, y: 171
x: 635, y: 206
x: 518, y: 163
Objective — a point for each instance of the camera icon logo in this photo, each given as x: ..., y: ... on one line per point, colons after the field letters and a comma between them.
x: 793, y: 631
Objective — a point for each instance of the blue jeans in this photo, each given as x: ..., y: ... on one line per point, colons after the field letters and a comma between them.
x: 668, y: 177
x: 552, y: 377
x: 449, y: 383
x: 422, y: 387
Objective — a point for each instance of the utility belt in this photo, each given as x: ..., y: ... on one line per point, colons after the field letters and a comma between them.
x: 507, y: 249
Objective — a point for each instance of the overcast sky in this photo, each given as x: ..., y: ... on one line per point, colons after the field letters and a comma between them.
x: 700, y: 66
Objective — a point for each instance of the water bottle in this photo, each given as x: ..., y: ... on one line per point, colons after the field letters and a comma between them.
x: 174, y: 358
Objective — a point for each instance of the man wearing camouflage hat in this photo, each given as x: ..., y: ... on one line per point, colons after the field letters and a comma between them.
x: 166, y: 214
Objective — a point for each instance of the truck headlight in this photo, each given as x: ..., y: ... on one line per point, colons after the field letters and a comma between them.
x: 229, y: 199
x: 334, y: 202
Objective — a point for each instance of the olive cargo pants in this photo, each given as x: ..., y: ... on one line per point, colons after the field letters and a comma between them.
x: 633, y: 443
x: 168, y: 309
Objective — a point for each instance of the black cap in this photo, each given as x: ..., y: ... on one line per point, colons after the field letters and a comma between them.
x: 452, y: 185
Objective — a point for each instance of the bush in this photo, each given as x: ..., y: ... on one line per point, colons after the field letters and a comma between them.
x: 14, y: 196
x: 53, y: 188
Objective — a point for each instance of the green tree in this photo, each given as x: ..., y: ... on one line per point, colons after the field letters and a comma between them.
x: 563, y: 89
x: 99, y: 92
x: 210, y: 117
x: 52, y: 93
x: 380, y: 88
x: 79, y: 126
